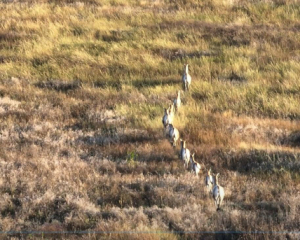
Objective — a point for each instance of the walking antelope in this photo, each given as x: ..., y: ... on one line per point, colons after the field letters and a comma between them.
x: 218, y: 193
x: 209, y: 181
x: 186, y: 78
x: 184, y: 153
x: 177, y: 101
x: 195, y: 166
x: 173, y: 134
x: 171, y: 110
x: 167, y: 118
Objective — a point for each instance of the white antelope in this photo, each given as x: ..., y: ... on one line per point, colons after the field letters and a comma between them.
x: 195, y: 166
x: 167, y: 118
x: 173, y: 134
x: 184, y: 153
x: 218, y: 193
x: 209, y: 181
x: 186, y: 78
x: 171, y: 110
x: 177, y: 101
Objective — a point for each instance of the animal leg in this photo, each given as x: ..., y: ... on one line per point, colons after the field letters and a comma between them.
x: 174, y: 142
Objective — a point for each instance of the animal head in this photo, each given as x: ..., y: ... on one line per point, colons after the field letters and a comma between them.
x: 186, y: 68
x: 170, y: 109
x: 217, y: 178
x: 171, y: 106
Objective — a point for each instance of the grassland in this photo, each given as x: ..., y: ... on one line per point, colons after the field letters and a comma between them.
x: 82, y: 91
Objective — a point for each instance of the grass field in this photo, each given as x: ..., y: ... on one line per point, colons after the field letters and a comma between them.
x: 83, y: 86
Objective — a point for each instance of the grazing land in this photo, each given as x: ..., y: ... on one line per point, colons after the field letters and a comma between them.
x: 83, y: 86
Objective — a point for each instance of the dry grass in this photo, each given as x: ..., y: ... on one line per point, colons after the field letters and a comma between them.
x: 82, y: 91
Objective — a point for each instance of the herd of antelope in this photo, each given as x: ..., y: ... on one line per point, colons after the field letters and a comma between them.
x: 173, y: 135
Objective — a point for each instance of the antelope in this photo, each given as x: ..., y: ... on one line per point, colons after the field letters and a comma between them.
x: 195, y: 166
x: 167, y: 118
x: 177, y: 101
x: 171, y: 110
x: 218, y: 193
x: 173, y: 134
x: 184, y: 153
x: 209, y: 181
x: 186, y: 78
